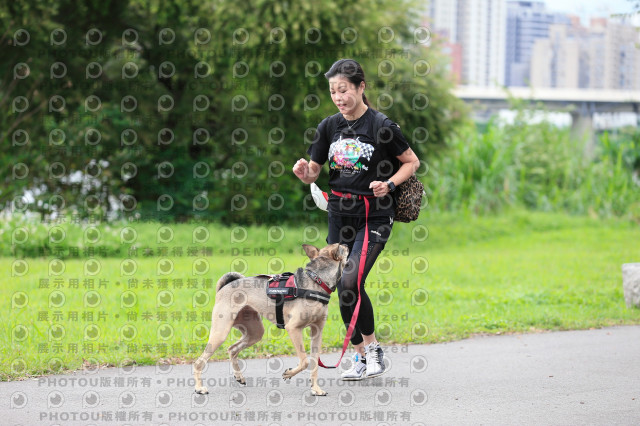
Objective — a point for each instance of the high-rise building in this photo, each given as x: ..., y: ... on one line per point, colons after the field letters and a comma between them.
x: 556, y: 61
x: 618, y: 56
x: 602, y: 56
x: 443, y: 19
x: 527, y: 21
x: 476, y: 29
x: 520, y: 43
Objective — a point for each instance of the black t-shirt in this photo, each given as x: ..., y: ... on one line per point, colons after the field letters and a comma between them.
x: 356, y: 158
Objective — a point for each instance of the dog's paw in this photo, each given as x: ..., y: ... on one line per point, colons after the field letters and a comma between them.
x: 287, y: 375
x: 241, y: 380
x: 202, y: 391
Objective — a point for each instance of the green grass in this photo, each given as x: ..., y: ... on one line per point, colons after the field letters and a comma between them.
x: 562, y: 278
x: 517, y: 272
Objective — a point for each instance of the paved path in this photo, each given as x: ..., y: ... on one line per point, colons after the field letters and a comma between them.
x: 575, y: 377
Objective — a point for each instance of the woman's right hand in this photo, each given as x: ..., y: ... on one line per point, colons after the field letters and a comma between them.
x: 301, y: 169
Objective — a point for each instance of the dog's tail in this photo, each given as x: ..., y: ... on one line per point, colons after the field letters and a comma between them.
x: 227, y: 278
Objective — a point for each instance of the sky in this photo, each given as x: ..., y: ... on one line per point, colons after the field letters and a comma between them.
x: 591, y: 8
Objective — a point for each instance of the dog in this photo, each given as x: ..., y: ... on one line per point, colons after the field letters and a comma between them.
x: 242, y: 301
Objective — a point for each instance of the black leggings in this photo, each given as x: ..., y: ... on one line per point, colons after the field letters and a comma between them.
x: 350, y: 231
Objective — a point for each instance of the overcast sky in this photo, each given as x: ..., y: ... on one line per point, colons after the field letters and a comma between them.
x: 591, y: 8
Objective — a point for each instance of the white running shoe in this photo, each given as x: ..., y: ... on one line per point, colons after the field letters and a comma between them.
x: 357, y: 370
x: 375, y: 360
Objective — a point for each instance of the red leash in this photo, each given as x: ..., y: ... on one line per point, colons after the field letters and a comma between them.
x: 363, y: 258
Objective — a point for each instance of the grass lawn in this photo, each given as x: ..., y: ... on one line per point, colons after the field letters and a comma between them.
x: 443, y: 278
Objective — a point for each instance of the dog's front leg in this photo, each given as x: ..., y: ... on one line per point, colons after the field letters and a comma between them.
x: 316, y: 347
x: 295, y: 333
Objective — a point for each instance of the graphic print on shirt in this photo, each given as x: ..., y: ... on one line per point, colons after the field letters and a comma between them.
x: 348, y: 155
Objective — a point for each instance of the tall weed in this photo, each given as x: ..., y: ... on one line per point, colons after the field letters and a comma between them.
x: 539, y: 167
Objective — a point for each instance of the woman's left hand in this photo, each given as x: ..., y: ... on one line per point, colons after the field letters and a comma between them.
x: 380, y: 189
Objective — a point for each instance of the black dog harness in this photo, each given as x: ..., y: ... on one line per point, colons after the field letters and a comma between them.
x: 283, y: 287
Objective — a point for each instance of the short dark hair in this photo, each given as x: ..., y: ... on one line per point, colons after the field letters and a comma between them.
x: 349, y: 69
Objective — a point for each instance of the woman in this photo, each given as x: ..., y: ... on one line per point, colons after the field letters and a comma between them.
x: 363, y: 172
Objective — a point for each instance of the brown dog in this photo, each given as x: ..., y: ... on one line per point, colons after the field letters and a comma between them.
x: 242, y: 301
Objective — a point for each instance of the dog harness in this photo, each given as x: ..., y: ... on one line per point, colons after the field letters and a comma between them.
x: 283, y: 287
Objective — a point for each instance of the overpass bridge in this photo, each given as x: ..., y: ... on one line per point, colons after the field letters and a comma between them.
x: 580, y: 103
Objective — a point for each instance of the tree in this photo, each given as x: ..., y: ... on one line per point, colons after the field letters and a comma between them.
x: 175, y: 109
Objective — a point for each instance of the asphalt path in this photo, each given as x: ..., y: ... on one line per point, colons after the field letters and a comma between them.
x: 587, y: 377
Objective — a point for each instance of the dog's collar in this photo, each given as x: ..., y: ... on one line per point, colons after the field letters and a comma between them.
x: 318, y: 280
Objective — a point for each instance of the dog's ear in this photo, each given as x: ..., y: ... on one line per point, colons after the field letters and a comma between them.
x: 340, y: 252
x: 311, y: 251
